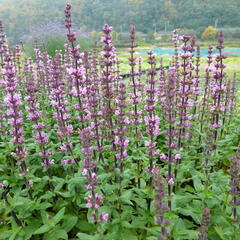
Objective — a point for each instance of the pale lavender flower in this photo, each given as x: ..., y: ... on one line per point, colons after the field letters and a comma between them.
x: 61, y: 105
x: 218, y: 87
x: 121, y: 141
x: 94, y: 200
x: 13, y: 102
x: 35, y: 115
x: 151, y: 120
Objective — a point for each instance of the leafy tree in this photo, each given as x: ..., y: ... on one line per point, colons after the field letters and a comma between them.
x: 19, y: 16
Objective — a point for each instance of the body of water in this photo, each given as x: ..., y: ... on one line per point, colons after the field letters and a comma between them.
x: 204, y: 51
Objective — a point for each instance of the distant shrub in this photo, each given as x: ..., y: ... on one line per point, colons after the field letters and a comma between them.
x: 209, y: 33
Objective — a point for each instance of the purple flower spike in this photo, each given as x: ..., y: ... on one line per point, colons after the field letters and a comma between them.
x: 160, y: 206
x: 234, y: 184
x: 204, y: 224
x: 13, y: 102
x: 121, y: 141
x: 94, y: 200
x: 151, y: 120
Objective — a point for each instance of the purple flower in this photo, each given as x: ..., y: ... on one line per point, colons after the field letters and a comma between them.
x: 64, y: 162
x: 151, y: 120
x: 218, y: 88
x: 159, y: 203
x: 104, y: 216
x: 121, y: 141
x: 94, y: 200
x: 13, y: 102
x: 171, y: 181
x: 135, y: 97
x: 234, y: 184
x: 188, y: 84
x: 163, y: 156
x: 108, y: 79
x: 30, y: 182
x: 177, y: 156
x: 59, y: 102
x: 204, y: 224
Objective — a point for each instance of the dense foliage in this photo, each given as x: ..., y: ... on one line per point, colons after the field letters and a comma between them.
x: 20, y: 16
x: 88, y: 155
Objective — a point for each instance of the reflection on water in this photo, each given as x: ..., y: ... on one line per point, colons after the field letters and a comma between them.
x: 204, y: 51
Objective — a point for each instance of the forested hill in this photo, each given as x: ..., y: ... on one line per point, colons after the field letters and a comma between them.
x: 148, y: 15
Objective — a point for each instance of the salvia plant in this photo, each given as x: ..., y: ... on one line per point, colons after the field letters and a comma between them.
x: 86, y: 153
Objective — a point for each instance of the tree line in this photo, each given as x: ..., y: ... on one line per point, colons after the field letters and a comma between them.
x: 20, y: 16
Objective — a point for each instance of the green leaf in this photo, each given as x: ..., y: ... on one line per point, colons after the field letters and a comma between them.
x: 180, y: 200
x: 44, y: 217
x: 47, y: 196
x: 142, y: 203
x: 127, y: 224
x: 186, y: 234
x: 219, y: 232
x: 190, y: 212
x: 59, y: 216
x: 15, y: 232
x: 69, y: 222
x: 139, y: 222
x: 153, y: 230
x: 84, y: 236
x: 85, y: 226
x: 58, y: 182
x: 43, y: 229
x: 190, y: 189
x: 198, y: 184
x: 31, y: 228
x: 129, y: 235
x: 42, y: 206
x: 76, y: 181
x: 126, y: 196
x: 56, y: 234
x: 65, y: 194
x: 151, y: 238
x: 220, y: 221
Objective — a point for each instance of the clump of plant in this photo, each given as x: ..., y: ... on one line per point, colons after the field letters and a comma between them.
x: 88, y: 154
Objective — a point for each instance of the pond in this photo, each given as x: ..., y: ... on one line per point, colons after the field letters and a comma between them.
x: 204, y: 51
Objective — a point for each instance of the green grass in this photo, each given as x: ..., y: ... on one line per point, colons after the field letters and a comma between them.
x: 232, y: 62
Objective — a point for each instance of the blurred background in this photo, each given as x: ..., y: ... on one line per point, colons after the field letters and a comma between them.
x: 29, y: 21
